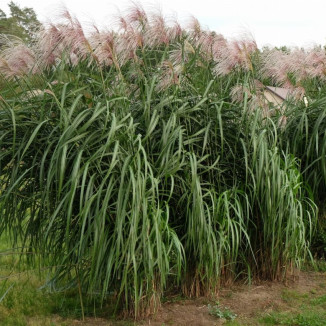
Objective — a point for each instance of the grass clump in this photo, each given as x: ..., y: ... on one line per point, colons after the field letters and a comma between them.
x: 127, y: 168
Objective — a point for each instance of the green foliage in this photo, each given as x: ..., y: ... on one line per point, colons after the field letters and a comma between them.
x: 304, y: 136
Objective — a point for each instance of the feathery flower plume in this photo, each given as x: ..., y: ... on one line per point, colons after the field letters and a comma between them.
x: 170, y: 75
x: 136, y: 16
x: 297, y: 64
x: 210, y: 44
x: 276, y: 66
x: 67, y: 36
x: 16, y: 59
x: 180, y: 54
x: 131, y: 34
x: 138, y: 30
x: 157, y: 31
x: 127, y: 44
x: 175, y: 31
x: 316, y: 60
x: 49, y: 45
x: 194, y: 28
x: 236, y: 54
x: 102, y: 44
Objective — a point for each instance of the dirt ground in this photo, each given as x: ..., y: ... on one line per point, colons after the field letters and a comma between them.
x: 247, y: 302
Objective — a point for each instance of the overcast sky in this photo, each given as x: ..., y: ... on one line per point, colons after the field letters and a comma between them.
x: 278, y: 22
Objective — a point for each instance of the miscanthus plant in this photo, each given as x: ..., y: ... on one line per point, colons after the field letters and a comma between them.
x: 128, y: 166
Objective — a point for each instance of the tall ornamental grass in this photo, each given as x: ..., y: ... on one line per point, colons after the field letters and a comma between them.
x: 129, y: 168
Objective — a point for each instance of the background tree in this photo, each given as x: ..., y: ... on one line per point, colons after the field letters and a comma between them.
x: 21, y: 22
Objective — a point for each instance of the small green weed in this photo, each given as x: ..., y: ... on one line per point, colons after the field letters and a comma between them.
x: 219, y: 312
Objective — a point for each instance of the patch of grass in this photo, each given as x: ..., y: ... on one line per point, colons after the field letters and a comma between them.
x: 23, y: 300
x: 292, y: 296
x: 232, y: 323
x: 319, y: 301
x: 306, y: 318
x: 304, y: 309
